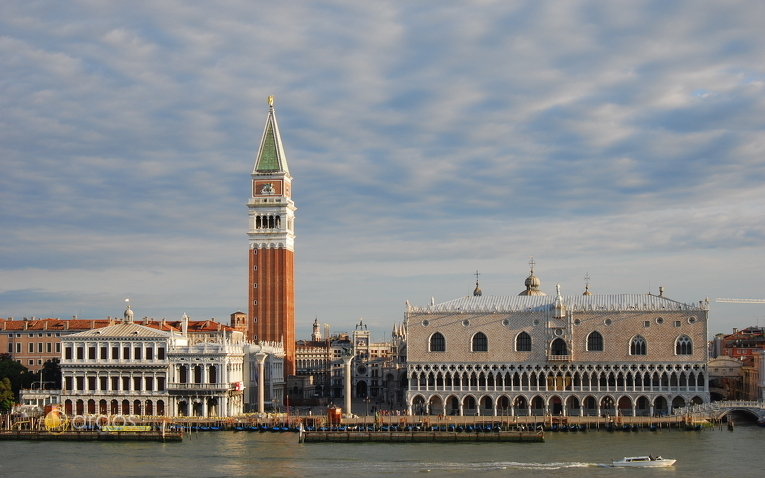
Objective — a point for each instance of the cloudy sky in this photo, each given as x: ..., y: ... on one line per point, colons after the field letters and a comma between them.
x: 427, y: 140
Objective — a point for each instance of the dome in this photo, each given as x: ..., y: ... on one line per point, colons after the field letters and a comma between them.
x: 477, y: 292
x: 128, y: 314
x: 532, y: 284
x: 532, y: 281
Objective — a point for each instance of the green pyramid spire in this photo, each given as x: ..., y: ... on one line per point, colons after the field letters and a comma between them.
x: 271, y: 157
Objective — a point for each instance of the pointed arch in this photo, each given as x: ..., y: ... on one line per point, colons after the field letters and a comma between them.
x: 437, y: 342
x: 480, y: 343
x: 683, y: 345
x: 637, y: 345
x: 523, y: 342
x: 595, y: 342
x: 558, y: 347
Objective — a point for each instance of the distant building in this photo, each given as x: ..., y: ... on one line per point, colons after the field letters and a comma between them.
x: 378, y: 368
x: 274, y: 392
x: 32, y: 342
x: 313, y: 360
x: 758, y: 391
x: 740, y: 345
x: 533, y: 354
x: 726, y: 379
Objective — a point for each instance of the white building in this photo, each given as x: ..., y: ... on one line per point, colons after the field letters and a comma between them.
x: 533, y: 354
x: 274, y: 384
x: 131, y: 369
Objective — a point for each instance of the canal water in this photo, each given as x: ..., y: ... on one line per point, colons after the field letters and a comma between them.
x: 707, y: 453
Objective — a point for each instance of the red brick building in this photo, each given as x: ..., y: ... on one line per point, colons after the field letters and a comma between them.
x: 271, y: 288
x: 741, y: 344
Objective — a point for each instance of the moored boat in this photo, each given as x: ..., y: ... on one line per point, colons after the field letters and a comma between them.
x: 644, y: 461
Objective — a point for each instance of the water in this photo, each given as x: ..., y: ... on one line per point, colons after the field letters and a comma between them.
x: 714, y: 453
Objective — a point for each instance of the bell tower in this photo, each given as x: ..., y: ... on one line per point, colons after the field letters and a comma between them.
x: 271, y: 309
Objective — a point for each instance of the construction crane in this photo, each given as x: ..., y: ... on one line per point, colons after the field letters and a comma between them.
x: 742, y: 301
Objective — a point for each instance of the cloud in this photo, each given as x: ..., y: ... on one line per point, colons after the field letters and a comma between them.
x: 425, y: 140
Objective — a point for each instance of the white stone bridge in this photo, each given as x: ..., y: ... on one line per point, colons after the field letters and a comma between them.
x: 717, y: 410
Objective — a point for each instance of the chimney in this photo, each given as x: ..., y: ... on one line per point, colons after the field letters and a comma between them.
x: 661, y: 291
x: 66, y: 325
x: 735, y: 329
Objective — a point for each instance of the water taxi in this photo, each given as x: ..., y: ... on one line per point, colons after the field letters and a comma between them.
x: 644, y: 461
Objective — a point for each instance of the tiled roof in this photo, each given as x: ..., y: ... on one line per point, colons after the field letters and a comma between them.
x: 80, y: 324
x: 513, y: 303
x: 123, y: 330
x: 52, y: 324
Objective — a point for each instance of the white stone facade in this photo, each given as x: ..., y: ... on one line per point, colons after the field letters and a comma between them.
x: 574, y: 355
x: 206, y: 379
x: 273, y: 376
x: 119, y: 369
x: 130, y: 369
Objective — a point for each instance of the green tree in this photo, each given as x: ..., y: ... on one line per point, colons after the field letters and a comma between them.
x: 7, y: 398
x: 51, y: 374
x: 17, y: 374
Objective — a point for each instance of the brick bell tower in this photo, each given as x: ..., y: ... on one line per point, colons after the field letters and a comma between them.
x: 271, y: 310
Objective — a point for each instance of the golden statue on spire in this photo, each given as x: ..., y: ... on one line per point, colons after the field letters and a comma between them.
x: 271, y: 101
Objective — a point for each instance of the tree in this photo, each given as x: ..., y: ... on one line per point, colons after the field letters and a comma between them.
x: 17, y: 374
x: 51, y: 374
x: 7, y: 399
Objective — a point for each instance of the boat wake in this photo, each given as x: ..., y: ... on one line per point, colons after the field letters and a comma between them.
x: 477, y: 466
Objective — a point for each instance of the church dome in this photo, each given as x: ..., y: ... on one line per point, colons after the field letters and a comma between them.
x: 532, y: 281
x: 477, y: 292
x: 532, y: 284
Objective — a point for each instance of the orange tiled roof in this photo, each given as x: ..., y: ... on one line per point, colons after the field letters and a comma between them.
x: 80, y: 324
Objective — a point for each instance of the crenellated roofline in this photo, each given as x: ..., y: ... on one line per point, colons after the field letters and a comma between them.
x: 600, y: 303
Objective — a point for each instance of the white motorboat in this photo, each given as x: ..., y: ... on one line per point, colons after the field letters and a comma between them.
x: 644, y: 461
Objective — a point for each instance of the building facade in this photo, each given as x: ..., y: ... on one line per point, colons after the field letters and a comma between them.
x: 32, y: 342
x: 118, y: 369
x: 272, y: 371
x: 271, y: 288
x: 132, y: 369
x: 313, y: 360
x: 742, y: 344
x: 535, y: 354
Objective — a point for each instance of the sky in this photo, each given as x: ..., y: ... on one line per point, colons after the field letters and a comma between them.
x: 622, y: 140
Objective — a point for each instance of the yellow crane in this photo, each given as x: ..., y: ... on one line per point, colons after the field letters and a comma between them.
x: 742, y: 301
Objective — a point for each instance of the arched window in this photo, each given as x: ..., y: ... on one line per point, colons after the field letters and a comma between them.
x: 523, y: 342
x: 480, y: 342
x: 684, y: 346
x: 558, y: 347
x: 637, y: 346
x: 595, y: 342
x: 437, y: 342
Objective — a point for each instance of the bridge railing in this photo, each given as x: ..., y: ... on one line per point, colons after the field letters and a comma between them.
x: 718, y: 406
